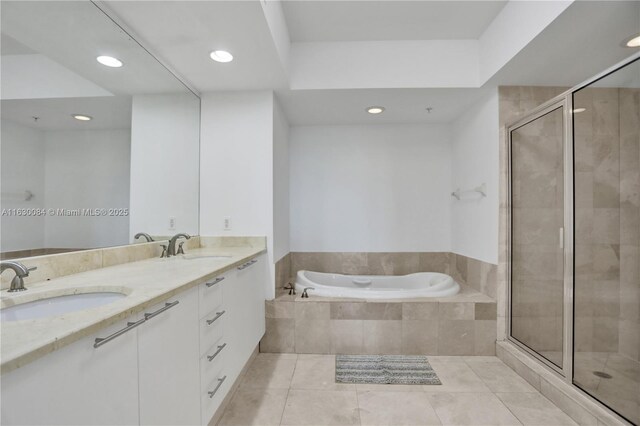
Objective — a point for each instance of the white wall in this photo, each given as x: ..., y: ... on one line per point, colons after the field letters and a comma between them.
x: 236, y: 166
x: 370, y: 188
x: 22, y: 169
x: 86, y: 170
x: 164, y: 163
x: 280, y: 183
x: 475, y: 140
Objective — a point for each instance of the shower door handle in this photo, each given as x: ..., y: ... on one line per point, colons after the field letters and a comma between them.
x: 561, y: 238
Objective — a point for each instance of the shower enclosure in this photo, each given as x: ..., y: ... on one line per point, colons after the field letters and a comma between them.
x: 574, y: 237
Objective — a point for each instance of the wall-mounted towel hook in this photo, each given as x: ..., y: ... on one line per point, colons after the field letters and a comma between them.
x: 482, y: 190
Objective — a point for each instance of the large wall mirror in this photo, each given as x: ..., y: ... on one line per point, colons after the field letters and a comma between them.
x: 91, y: 153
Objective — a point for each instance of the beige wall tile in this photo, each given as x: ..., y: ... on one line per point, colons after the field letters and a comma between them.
x: 279, y: 336
x: 420, y: 337
x: 366, y: 311
x: 485, y: 337
x: 485, y: 311
x: 456, y: 311
x: 312, y: 310
x: 420, y: 311
x: 312, y: 336
x: 279, y: 309
x: 383, y: 337
x: 456, y: 337
x: 347, y: 336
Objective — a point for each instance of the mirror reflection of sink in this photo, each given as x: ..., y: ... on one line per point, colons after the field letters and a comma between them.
x: 53, y: 306
x: 203, y: 256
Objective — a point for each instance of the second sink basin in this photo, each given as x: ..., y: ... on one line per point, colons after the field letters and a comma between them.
x: 53, y: 306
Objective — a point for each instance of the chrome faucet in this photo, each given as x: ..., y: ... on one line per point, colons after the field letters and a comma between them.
x: 145, y: 235
x: 17, y: 283
x: 171, y: 249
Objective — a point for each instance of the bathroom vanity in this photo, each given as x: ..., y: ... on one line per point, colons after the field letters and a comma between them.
x: 166, y: 353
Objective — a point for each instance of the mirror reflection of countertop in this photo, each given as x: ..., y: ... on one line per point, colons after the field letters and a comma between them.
x: 145, y: 283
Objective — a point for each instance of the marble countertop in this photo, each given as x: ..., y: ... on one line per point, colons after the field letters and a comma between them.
x: 146, y: 283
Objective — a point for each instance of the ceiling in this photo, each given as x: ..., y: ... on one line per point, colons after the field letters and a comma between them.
x: 341, y: 107
x: 73, y: 34
x: 108, y: 112
x: 330, y: 21
x: 183, y: 33
x: 583, y: 41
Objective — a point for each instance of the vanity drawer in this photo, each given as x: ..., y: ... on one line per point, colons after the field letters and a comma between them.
x: 212, y: 294
x: 212, y: 362
x: 212, y: 328
x: 213, y: 395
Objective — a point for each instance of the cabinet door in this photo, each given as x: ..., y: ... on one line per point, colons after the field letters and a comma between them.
x: 245, y: 301
x: 77, y: 385
x: 168, y: 355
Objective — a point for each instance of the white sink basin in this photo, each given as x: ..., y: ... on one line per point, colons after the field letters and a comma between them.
x: 53, y: 306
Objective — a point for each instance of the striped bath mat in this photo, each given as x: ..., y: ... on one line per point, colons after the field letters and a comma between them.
x: 385, y: 369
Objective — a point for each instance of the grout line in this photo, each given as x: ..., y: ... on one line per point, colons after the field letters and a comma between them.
x: 295, y: 365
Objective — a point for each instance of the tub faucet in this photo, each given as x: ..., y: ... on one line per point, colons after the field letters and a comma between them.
x: 17, y: 283
x: 305, y: 295
x: 144, y: 235
x: 291, y: 288
x: 171, y: 249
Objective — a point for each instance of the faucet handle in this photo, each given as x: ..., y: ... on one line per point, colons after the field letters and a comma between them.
x: 164, y: 250
x: 180, y: 249
x: 32, y: 268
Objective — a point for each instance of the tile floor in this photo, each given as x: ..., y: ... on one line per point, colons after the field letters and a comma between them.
x: 290, y: 389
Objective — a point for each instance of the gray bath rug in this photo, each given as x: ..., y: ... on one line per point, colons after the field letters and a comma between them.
x: 385, y: 369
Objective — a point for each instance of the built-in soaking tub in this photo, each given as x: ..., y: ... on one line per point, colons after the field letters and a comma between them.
x: 421, y: 284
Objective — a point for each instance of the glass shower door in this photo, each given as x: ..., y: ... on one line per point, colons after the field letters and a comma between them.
x: 606, y: 361
x: 536, y: 239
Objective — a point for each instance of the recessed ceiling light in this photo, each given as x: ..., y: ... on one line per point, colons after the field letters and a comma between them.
x: 221, y: 56
x: 109, y: 61
x: 375, y: 110
x: 82, y: 117
x: 634, y: 41
x: 579, y: 110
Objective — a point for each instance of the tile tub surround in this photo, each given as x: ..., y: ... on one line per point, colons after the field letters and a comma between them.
x: 300, y: 389
x: 146, y: 283
x: 478, y: 275
x: 348, y: 326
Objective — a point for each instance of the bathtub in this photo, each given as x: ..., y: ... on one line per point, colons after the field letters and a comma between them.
x: 421, y: 284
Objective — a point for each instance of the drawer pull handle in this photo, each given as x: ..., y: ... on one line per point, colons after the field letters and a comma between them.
x: 166, y: 306
x: 130, y: 326
x: 247, y: 264
x: 220, y: 348
x: 220, y: 382
x: 214, y: 282
x: 218, y: 315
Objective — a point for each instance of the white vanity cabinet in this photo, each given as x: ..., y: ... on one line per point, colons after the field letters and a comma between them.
x: 171, y: 364
x: 77, y: 384
x: 168, y: 373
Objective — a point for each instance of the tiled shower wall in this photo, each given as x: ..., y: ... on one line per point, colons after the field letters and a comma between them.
x: 607, y: 213
x: 479, y: 275
x: 607, y: 280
